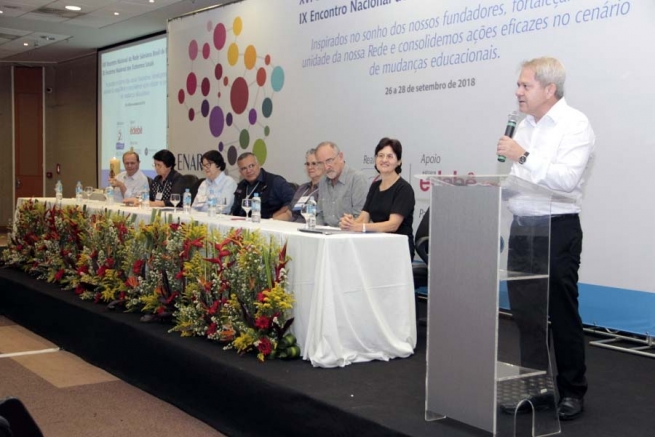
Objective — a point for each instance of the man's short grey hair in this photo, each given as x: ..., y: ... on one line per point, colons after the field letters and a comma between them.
x: 548, y: 70
x: 244, y: 155
x: 329, y: 143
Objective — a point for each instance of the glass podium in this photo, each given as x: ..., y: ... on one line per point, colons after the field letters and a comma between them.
x: 489, y: 245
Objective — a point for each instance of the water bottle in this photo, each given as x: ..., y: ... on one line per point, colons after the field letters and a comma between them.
x: 79, y: 192
x: 211, y: 203
x: 186, y: 201
x: 256, y: 212
x: 59, y: 192
x: 311, y: 213
x: 145, y: 196
x: 109, y: 194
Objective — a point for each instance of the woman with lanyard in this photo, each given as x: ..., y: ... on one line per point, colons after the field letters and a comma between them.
x: 306, y: 190
x: 167, y: 181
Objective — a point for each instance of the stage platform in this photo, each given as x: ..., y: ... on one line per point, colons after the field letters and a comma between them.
x: 240, y: 396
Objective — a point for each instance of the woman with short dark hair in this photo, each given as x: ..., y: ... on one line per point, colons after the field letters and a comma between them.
x: 222, y: 185
x: 390, y: 201
x: 167, y: 181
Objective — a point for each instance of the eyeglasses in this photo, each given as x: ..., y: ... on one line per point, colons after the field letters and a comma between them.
x: 311, y: 164
x: 329, y: 161
x: 247, y: 167
x: 207, y: 166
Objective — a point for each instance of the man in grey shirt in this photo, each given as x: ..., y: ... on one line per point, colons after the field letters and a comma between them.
x: 342, y: 190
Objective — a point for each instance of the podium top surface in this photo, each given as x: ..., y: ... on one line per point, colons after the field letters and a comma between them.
x: 510, y: 185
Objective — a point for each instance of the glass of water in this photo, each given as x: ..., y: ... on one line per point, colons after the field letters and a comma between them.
x: 246, y: 204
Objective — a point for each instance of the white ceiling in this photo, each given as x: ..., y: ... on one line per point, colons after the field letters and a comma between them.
x: 43, y: 31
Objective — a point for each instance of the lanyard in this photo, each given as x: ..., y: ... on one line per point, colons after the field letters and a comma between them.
x: 308, y: 195
x: 251, y: 191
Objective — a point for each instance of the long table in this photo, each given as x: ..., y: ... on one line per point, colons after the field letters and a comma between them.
x: 354, y: 293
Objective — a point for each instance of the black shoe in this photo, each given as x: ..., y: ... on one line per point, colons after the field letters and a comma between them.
x: 539, y: 403
x: 570, y: 408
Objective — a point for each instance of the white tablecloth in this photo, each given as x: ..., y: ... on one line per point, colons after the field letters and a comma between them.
x: 354, y: 292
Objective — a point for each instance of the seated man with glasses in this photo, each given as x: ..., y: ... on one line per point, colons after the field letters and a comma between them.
x: 306, y: 190
x: 343, y: 190
x: 274, y: 191
x: 127, y: 183
x: 224, y: 186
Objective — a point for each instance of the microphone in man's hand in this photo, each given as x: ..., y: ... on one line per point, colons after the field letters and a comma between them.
x: 512, y: 119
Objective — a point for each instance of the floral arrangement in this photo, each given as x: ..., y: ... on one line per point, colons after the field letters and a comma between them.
x: 240, y: 298
x: 228, y: 288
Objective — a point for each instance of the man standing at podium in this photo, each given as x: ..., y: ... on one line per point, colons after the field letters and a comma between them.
x: 552, y: 147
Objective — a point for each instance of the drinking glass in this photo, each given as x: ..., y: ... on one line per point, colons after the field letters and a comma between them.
x: 305, y: 213
x: 88, y: 191
x: 246, y: 204
x: 221, y: 203
x: 175, y: 200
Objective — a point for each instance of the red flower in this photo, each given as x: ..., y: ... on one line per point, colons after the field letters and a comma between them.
x: 138, y: 265
x: 179, y: 275
x: 60, y: 274
x: 261, y: 296
x: 97, y: 297
x: 212, y: 329
x: 263, y: 322
x: 79, y: 289
x: 265, y: 346
x: 83, y: 269
x: 109, y: 263
x: 175, y: 226
x: 214, y: 308
x: 101, y: 271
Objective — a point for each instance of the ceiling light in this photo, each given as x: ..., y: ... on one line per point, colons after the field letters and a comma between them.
x: 116, y: 13
x: 152, y: 1
x: 26, y: 44
x: 73, y: 8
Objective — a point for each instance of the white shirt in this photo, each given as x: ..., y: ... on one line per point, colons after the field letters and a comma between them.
x: 133, y: 184
x: 223, y: 186
x: 561, y: 147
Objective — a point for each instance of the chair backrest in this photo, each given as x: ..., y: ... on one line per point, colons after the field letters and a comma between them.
x: 422, y: 238
x: 20, y: 420
x: 294, y: 186
x: 194, y: 188
x: 189, y: 181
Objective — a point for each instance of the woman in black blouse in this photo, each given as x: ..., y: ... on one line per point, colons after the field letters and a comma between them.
x: 390, y: 201
x: 167, y: 181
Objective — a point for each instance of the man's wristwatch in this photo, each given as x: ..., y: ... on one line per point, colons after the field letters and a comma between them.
x: 524, y: 157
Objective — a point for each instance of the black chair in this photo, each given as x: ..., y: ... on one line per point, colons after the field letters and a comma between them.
x: 420, y: 269
x: 422, y: 244
x: 194, y: 188
x: 294, y: 186
x: 19, y: 420
x: 190, y: 181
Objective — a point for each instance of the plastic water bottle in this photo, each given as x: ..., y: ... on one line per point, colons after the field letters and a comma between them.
x: 79, y: 192
x: 59, y: 192
x: 186, y: 201
x: 211, y: 203
x: 256, y: 212
x: 311, y: 213
x: 145, y: 196
x: 109, y: 194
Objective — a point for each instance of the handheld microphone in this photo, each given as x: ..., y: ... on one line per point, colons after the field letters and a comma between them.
x: 512, y: 119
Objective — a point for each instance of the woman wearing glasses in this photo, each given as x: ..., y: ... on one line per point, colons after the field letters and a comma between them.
x: 223, y: 185
x: 306, y: 190
x: 167, y: 181
x: 390, y: 201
